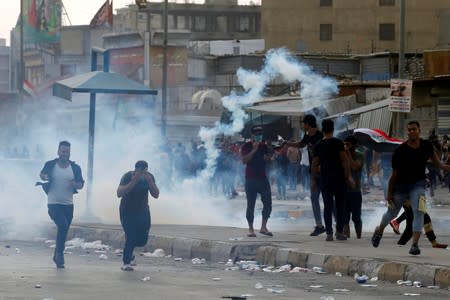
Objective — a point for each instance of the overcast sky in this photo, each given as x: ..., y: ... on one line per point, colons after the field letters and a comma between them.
x: 80, y: 11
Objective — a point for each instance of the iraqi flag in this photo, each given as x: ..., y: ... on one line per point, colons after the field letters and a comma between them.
x: 376, y: 139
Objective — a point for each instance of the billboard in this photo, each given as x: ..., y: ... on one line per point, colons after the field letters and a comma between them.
x: 41, y: 21
x: 400, y: 95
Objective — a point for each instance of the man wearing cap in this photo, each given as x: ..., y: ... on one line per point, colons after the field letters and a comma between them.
x: 134, y: 210
x: 311, y: 138
x: 254, y: 155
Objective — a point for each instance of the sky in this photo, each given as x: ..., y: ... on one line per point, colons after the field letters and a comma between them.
x: 80, y: 12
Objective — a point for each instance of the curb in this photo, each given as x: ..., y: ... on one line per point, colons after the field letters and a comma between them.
x: 268, y: 254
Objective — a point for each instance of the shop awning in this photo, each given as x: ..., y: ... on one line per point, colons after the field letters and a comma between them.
x: 295, y: 106
x: 374, y: 115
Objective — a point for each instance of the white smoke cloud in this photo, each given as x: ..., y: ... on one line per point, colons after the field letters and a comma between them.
x: 119, y: 143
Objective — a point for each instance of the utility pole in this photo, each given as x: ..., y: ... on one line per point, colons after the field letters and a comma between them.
x: 21, y: 67
x: 401, y: 62
x: 164, y: 79
x: 401, y: 54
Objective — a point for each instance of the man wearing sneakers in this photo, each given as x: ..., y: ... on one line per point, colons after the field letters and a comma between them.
x: 408, y: 182
x: 134, y: 210
x: 310, y: 139
x: 331, y: 160
x: 63, y: 179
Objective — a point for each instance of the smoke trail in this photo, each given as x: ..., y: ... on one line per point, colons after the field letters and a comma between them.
x: 279, y: 63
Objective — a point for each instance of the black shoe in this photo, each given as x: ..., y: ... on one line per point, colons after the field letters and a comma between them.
x: 414, y: 250
x: 318, y: 230
x: 340, y: 236
x: 376, y: 238
x: 58, y: 259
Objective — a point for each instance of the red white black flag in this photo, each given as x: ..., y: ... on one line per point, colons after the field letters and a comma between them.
x: 104, y: 15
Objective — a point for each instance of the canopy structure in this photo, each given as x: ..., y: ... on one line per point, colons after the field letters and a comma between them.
x: 374, y: 115
x: 99, y: 82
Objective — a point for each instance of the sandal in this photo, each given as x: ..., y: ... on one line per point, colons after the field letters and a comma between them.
x: 268, y: 233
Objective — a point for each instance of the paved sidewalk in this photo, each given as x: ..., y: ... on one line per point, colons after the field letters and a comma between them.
x: 389, y: 262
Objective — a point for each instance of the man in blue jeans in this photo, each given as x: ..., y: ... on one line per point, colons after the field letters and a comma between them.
x: 408, y: 182
x: 311, y: 138
x: 63, y: 178
x: 134, y: 210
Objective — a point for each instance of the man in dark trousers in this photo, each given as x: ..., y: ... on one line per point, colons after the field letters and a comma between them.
x: 63, y: 178
x: 407, y: 182
x: 331, y: 160
x: 134, y: 210
x: 254, y: 155
x: 311, y: 138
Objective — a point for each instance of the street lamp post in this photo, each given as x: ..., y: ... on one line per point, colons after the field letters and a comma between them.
x: 164, y: 79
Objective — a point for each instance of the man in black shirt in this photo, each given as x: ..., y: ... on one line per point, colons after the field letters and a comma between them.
x: 310, y: 140
x: 408, y: 182
x: 134, y: 210
x: 330, y: 158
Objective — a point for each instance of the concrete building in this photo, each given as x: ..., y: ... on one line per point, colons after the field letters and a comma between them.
x: 4, y: 66
x: 214, y: 20
x: 354, y: 26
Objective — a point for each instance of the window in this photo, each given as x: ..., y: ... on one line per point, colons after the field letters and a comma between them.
x: 326, y: 2
x: 326, y: 32
x: 244, y: 23
x: 387, y: 2
x: 387, y: 32
x: 221, y: 24
x: 199, y: 23
x: 181, y: 22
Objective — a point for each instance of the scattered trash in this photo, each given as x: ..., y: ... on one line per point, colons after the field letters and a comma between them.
x: 275, y: 291
x: 319, y: 270
x: 80, y: 243
x: 338, y: 274
x: 326, y: 298
x: 37, y: 286
x: 299, y: 269
x: 198, y: 261
x: 259, y: 285
x: 410, y: 294
x: 373, y: 279
x: 216, y: 279
x: 235, y: 238
x: 435, y: 287
x: 284, y: 268
x: 156, y: 253
x: 17, y: 250
x: 118, y: 251
x: 341, y: 290
x: 247, y: 295
x: 232, y: 269
x: 316, y: 286
x: 229, y: 263
x: 362, y: 279
x: 369, y: 285
x: 67, y: 252
x: 147, y: 278
x: 404, y: 282
x: 50, y: 242
x: 99, y: 251
x: 417, y: 284
x: 269, y: 269
x: 249, y: 265
x: 103, y: 256
x: 177, y: 259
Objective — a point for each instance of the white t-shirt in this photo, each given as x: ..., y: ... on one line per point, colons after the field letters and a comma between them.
x: 61, y: 190
x: 305, y: 157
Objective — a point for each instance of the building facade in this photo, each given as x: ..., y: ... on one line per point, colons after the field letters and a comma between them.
x: 5, y: 66
x: 213, y: 20
x: 354, y: 26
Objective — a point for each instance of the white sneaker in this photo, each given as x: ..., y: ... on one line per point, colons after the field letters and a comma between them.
x: 133, y: 263
x: 127, y: 267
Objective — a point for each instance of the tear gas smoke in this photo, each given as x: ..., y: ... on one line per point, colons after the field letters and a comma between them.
x: 121, y: 140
